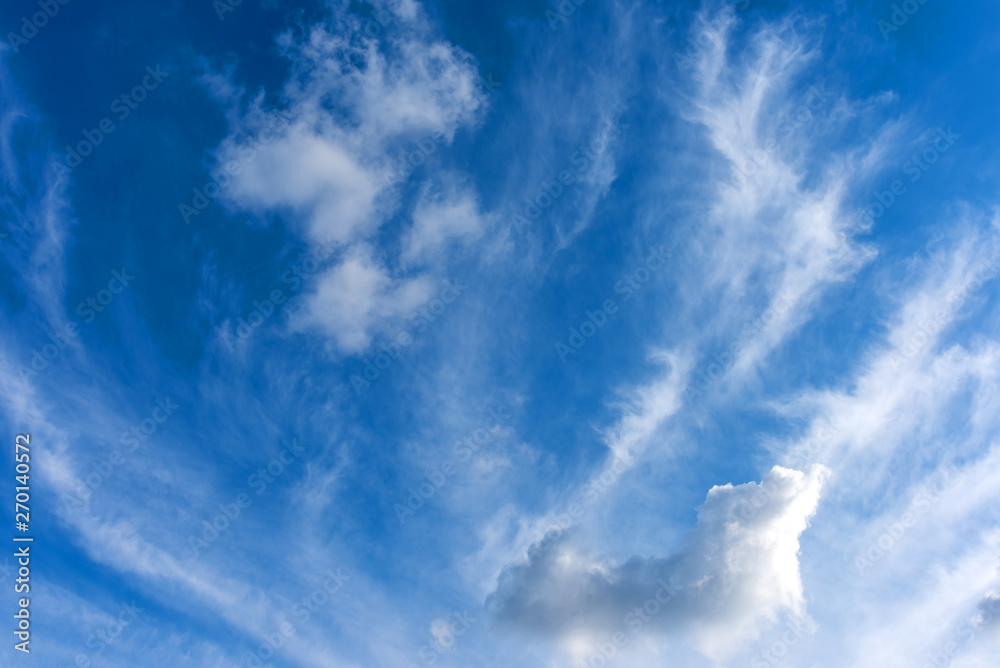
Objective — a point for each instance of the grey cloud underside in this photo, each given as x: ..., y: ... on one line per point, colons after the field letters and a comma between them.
x: 738, y: 566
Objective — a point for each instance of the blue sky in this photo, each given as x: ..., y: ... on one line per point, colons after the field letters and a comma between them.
x: 539, y: 334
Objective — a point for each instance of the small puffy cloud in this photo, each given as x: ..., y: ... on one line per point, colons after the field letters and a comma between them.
x: 426, y: 87
x: 440, y: 220
x: 311, y: 175
x: 737, y: 570
x: 354, y: 297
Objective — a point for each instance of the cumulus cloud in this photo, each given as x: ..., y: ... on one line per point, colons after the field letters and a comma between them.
x: 359, y: 117
x: 738, y: 569
x: 353, y: 297
x: 311, y: 176
x: 440, y: 219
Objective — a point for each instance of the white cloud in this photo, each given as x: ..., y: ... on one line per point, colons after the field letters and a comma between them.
x: 440, y: 219
x: 357, y: 296
x: 902, y: 567
x: 738, y: 568
x: 331, y: 160
x: 313, y: 176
